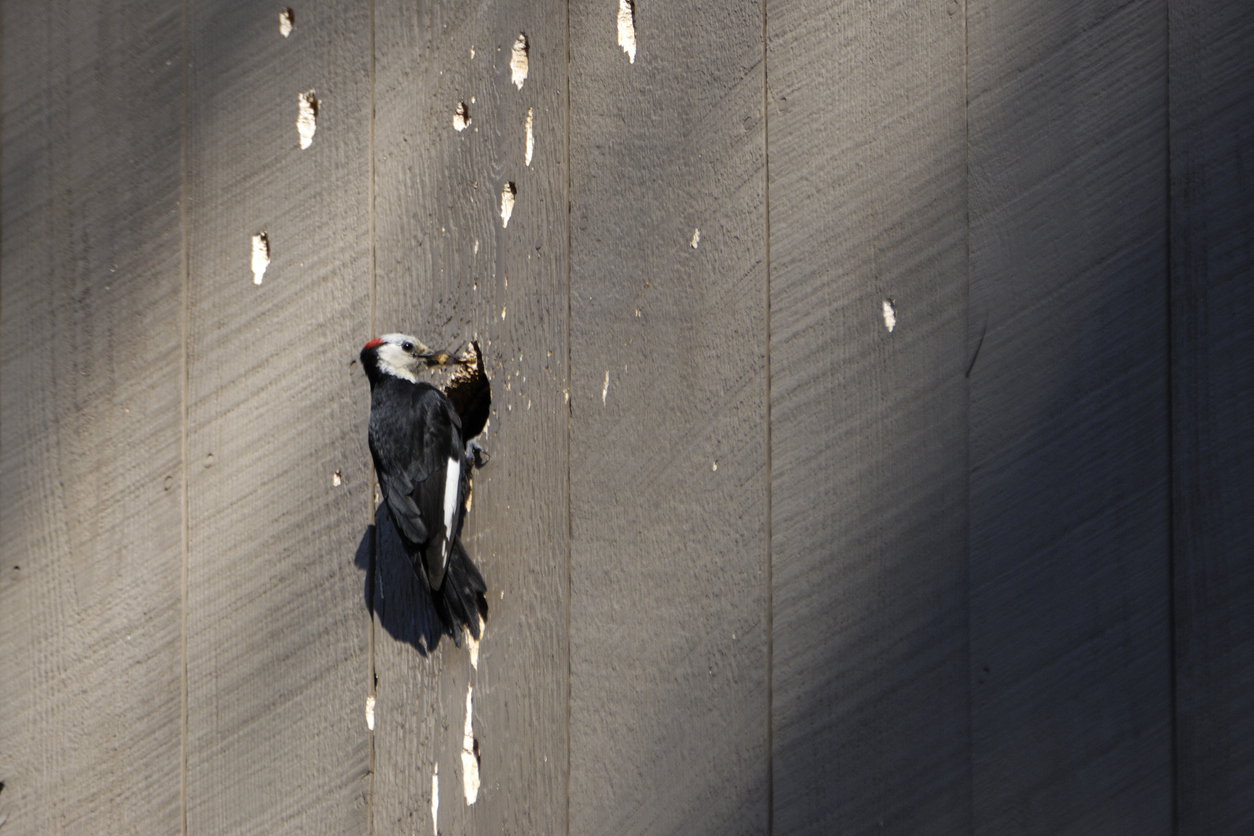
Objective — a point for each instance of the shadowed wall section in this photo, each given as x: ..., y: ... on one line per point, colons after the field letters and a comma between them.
x: 1069, y: 502
x: 1212, y: 308
x: 868, y: 417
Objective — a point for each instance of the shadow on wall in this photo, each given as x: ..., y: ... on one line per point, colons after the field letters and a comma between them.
x: 393, y: 591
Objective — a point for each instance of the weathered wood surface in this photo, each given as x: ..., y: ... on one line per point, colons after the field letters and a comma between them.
x: 277, y: 636
x: 1212, y: 266
x: 756, y: 562
x: 868, y: 424
x: 449, y: 270
x: 1069, y: 547
x: 669, y: 571
x: 90, y: 419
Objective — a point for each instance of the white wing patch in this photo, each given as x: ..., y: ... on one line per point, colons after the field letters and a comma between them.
x: 452, y: 479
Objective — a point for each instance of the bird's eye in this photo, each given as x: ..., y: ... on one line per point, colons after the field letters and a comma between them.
x: 407, y: 346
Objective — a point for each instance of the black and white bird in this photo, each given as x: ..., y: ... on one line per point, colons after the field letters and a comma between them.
x: 423, y: 464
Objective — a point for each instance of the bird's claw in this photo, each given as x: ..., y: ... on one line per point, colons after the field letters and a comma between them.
x: 477, y: 455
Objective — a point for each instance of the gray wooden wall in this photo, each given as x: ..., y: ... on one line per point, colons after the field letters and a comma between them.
x: 757, y: 562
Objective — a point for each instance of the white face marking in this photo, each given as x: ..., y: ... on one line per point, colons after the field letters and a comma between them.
x: 397, y: 362
x: 394, y: 361
x: 452, y: 478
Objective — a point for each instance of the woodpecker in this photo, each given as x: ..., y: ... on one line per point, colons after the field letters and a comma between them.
x: 423, y: 464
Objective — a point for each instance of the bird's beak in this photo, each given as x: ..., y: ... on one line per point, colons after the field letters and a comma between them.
x: 435, y: 358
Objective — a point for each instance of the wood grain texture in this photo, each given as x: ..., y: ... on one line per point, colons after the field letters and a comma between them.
x: 1212, y: 260
x: 868, y: 454
x: 1069, y: 452
x: 449, y: 270
x: 669, y: 588
x: 90, y: 419
x: 278, y: 639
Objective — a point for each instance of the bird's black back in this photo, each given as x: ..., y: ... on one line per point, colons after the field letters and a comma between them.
x: 414, y: 431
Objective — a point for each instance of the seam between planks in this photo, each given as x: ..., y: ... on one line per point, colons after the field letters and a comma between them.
x: 185, y: 326
x: 370, y: 190
x: 770, y: 551
x: 966, y: 127
x: 373, y: 673
x: 1172, y: 649
x: 569, y: 395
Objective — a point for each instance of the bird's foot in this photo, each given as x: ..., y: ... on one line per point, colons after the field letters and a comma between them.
x: 477, y: 455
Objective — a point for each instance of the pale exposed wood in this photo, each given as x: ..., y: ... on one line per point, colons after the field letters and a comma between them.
x: 1069, y: 452
x: 669, y: 579
x: 448, y: 271
x: 278, y: 651
x: 1212, y: 255
x: 91, y: 487
x: 868, y: 204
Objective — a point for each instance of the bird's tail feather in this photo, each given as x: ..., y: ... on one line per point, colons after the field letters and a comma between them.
x: 460, y: 599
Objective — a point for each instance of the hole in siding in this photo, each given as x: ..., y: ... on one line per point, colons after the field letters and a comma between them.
x: 307, y: 121
x: 337, y: 479
x: 169, y: 482
x: 627, y: 28
x: 209, y: 460
x: 470, y: 757
x: 696, y: 238
x: 261, y: 256
x: 531, y: 140
x: 508, y: 191
x: 890, y: 314
x: 461, y: 117
x: 370, y: 713
x: 435, y: 800
x: 518, y: 61
x: 286, y: 21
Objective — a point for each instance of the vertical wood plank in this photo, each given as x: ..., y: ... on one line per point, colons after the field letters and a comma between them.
x: 668, y: 442
x: 1212, y: 260
x: 90, y: 418
x: 1069, y: 468
x: 278, y: 667
x: 449, y: 270
x: 868, y: 205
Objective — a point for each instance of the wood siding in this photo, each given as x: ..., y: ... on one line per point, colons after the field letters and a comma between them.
x: 870, y: 448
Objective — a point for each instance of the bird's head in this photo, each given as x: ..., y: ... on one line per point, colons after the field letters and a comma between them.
x: 399, y: 355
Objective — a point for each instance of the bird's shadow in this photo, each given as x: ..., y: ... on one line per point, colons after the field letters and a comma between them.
x: 393, y: 591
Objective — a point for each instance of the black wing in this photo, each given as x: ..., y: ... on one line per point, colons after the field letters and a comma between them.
x: 414, y: 431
